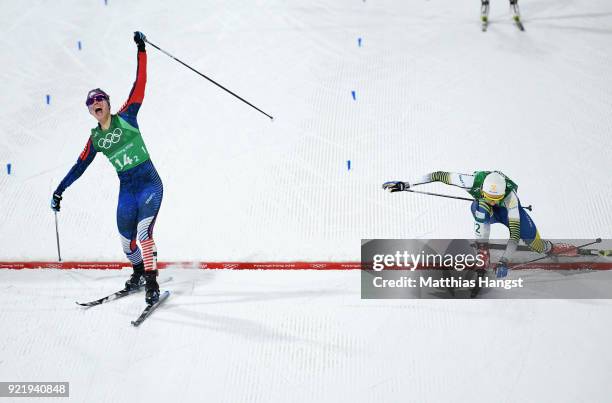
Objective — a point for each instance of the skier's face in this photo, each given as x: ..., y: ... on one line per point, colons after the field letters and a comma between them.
x: 490, y: 200
x: 100, y: 110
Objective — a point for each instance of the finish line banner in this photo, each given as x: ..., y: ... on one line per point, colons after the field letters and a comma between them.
x: 457, y: 268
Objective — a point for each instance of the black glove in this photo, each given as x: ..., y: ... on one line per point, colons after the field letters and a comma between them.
x: 140, y: 39
x: 394, y: 186
x: 55, y: 202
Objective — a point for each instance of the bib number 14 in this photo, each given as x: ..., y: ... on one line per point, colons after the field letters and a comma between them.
x: 126, y: 161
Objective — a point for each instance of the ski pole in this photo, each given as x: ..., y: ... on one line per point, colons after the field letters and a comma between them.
x: 209, y: 79
x: 598, y: 240
x: 59, y: 256
x: 450, y: 197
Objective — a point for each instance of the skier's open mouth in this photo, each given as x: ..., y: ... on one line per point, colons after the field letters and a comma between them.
x: 98, y: 109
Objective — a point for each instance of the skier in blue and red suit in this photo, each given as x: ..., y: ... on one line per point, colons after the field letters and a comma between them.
x: 118, y: 137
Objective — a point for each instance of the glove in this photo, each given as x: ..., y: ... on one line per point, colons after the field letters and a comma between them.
x: 140, y: 39
x: 502, y: 269
x: 55, y: 202
x: 395, y: 186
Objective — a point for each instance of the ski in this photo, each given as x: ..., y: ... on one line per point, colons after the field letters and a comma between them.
x: 111, y: 297
x: 150, y: 308
x: 595, y: 252
x: 116, y: 295
x: 518, y: 23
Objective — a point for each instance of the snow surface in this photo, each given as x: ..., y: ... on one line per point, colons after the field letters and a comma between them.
x: 432, y: 92
x: 300, y: 336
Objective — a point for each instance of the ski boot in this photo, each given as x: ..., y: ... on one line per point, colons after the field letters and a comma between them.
x: 151, y: 286
x: 136, y: 280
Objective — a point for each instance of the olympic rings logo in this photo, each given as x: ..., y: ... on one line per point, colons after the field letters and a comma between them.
x: 110, y: 139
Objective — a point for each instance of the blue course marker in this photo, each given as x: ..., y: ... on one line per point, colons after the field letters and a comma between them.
x: 354, y: 95
x: 48, y: 99
x: 348, y: 164
x: 79, y: 45
x: 8, y: 168
x: 106, y: 2
x: 359, y: 42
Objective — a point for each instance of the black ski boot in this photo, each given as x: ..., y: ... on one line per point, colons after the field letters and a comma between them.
x: 152, y: 287
x: 136, y: 280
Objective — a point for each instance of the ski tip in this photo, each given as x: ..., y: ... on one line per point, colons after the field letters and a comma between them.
x: 149, y: 309
x: 164, y: 295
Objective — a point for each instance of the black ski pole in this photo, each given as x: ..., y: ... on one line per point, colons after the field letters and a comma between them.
x: 59, y: 256
x: 449, y: 196
x: 209, y: 79
x: 598, y: 240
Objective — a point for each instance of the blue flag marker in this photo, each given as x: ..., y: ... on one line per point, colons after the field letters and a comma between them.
x: 359, y: 42
x: 354, y: 95
x: 348, y: 164
x: 48, y: 99
x: 106, y: 2
x: 8, y: 168
x: 79, y: 45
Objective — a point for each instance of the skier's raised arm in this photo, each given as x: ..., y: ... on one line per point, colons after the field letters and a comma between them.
x: 130, y: 108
